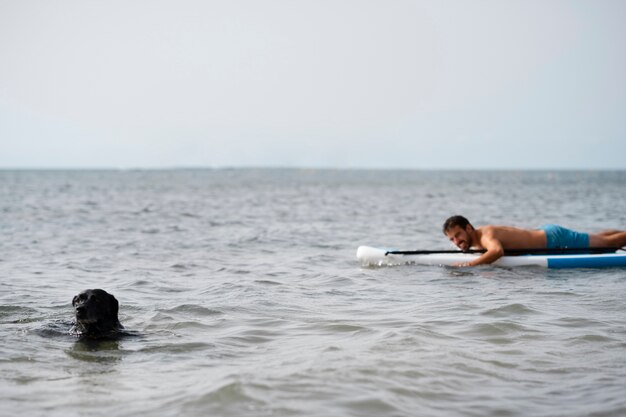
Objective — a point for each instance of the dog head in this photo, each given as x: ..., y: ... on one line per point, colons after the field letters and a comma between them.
x: 96, y: 313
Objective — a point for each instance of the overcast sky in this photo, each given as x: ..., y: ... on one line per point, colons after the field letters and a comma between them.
x: 341, y: 83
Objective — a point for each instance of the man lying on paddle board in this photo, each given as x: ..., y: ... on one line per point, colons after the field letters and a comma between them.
x: 496, y: 239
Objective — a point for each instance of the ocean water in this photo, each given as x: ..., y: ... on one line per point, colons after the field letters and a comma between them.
x: 243, y: 297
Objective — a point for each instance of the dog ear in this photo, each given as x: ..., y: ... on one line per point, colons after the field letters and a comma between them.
x: 115, y: 306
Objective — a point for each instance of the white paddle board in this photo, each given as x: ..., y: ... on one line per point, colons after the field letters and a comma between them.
x: 369, y: 256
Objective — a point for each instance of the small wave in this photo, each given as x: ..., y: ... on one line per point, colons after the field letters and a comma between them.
x: 190, y: 215
x: 339, y: 328
x: 231, y: 398
x: 192, y: 325
x: 559, y: 294
x: 54, y: 328
x: 254, y: 337
x: 267, y: 282
x: 8, y: 311
x: 592, y: 338
x: 496, y: 329
x: 509, y: 310
x: 371, y: 406
x: 179, y: 266
x: 578, y: 322
x: 179, y: 347
x: 193, y: 309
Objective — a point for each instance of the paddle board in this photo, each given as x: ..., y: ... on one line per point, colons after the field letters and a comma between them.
x: 369, y: 256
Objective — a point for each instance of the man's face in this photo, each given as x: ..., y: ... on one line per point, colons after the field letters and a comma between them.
x: 460, y: 237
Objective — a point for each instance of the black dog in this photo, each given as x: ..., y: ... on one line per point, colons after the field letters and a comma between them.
x: 96, y: 315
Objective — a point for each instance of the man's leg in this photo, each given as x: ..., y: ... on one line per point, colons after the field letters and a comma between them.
x: 609, y: 232
x: 608, y: 239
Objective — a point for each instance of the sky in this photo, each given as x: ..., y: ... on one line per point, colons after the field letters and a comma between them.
x: 392, y: 84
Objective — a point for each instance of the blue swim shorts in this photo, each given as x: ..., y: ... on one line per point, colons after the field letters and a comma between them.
x: 559, y: 237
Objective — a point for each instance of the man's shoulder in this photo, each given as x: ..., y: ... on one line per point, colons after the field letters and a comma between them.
x: 496, y: 227
x: 492, y: 231
x: 489, y: 228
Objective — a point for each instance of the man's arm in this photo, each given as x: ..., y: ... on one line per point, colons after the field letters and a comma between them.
x: 493, y: 247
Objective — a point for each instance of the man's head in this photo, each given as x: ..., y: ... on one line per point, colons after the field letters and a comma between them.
x: 459, y: 230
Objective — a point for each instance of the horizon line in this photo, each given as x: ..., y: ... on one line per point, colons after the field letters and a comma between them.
x: 316, y: 168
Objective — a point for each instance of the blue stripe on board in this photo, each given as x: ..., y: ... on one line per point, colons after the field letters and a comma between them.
x: 595, y: 261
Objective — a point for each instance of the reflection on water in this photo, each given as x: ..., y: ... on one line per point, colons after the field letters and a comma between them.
x: 93, y: 350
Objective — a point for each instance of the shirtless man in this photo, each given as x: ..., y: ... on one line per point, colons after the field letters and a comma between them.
x: 495, y: 239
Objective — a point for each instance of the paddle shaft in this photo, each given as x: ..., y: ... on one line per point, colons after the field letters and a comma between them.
x: 512, y: 252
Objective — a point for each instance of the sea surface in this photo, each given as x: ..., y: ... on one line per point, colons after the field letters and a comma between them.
x: 242, y: 296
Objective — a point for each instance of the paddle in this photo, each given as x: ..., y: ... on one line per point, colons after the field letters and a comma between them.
x: 513, y: 252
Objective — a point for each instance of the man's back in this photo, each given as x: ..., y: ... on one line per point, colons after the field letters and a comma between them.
x: 512, y: 237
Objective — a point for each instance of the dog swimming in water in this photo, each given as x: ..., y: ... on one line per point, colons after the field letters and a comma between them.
x: 96, y: 315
